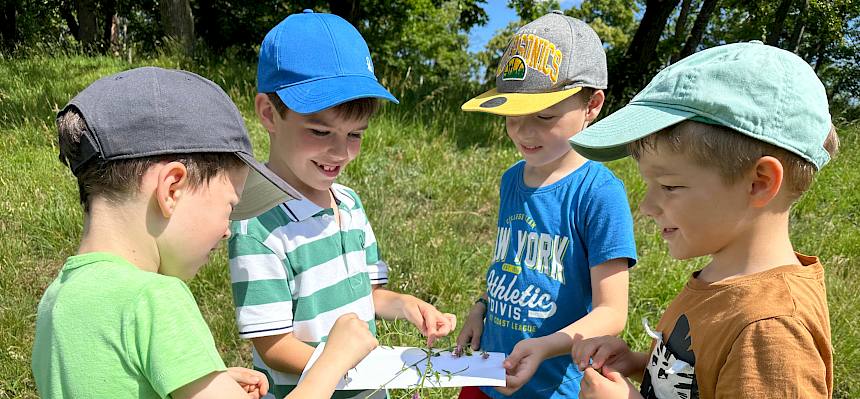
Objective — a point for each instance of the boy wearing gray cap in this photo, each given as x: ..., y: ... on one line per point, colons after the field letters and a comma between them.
x: 565, y: 233
x: 726, y: 140
x: 157, y: 183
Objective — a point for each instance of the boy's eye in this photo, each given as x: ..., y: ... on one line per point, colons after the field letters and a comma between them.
x: 319, y: 133
x: 356, y: 135
x: 545, y: 117
x: 669, y: 188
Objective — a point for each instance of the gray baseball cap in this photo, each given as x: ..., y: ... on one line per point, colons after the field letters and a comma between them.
x: 152, y: 111
x: 547, y: 61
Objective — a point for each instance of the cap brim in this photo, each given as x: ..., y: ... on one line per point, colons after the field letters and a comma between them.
x: 264, y: 190
x: 321, y: 94
x: 516, y: 104
x: 607, y: 139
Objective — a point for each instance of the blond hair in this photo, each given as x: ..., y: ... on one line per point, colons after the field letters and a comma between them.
x: 732, y: 153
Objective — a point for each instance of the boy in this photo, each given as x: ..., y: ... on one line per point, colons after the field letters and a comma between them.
x: 157, y: 183
x: 726, y: 140
x: 565, y: 233
x: 303, y: 262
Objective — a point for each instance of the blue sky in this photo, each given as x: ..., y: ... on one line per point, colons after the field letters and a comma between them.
x: 499, y: 15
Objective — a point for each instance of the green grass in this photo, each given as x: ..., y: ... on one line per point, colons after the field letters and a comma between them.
x: 428, y: 175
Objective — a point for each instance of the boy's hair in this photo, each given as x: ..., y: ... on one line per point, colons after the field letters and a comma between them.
x: 584, y: 95
x: 119, y: 179
x: 360, y: 108
x: 733, y: 153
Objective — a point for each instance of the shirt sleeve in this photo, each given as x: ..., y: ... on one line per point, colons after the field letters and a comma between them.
x: 262, y: 288
x: 168, y: 338
x: 608, y: 225
x: 773, y: 358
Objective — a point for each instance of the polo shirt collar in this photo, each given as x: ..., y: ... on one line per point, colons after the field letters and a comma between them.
x: 301, y: 209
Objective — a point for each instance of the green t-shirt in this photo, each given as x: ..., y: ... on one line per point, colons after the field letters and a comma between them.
x: 108, y: 329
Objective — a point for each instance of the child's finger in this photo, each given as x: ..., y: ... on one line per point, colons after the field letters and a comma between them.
x: 476, y: 341
x: 452, y: 320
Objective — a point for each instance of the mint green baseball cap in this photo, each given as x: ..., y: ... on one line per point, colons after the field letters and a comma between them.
x: 758, y: 90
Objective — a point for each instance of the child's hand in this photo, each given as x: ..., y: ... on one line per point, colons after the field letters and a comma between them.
x: 521, y: 364
x: 472, y: 330
x: 431, y: 322
x: 348, y: 342
x: 604, y: 351
x: 252, y: 381
x: 610, y: 384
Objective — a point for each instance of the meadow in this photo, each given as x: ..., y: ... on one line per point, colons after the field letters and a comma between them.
x: 428, y: 175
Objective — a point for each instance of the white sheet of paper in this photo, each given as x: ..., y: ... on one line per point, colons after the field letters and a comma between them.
x: 401, y: 367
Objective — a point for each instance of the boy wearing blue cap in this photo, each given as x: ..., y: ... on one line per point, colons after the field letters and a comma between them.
x: 726, y: 140
x: 565, y: 233
x: 305, y: 261
x: 157, y: 189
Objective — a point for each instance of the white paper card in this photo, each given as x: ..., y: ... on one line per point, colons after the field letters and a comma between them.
x: 395, y: 367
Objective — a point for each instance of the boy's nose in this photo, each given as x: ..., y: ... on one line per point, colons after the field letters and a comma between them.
x: 226, y: 233
x: 647, y: 206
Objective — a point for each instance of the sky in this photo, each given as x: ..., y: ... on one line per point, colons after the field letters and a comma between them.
x: 499, y: 15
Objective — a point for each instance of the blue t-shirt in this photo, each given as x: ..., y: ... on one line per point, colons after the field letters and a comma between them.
x: 539, y: 282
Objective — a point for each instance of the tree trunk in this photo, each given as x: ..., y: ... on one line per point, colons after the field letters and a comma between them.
x: 108, y: 14
x: 9, y: 25
x: 88, y: 33
x: 66, y: 12
x: 680, y: 29
x: 793, y: 44
x: 178, y: 22
x: 708, y: 8
x: 630, y: 73
x: 346, y: 9
x: 777, y: 25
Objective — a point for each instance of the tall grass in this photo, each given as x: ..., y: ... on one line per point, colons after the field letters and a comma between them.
x: 428, y: 175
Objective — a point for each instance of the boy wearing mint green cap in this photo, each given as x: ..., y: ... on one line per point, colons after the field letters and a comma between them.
x: 305, y: 261
x: 726, y: 140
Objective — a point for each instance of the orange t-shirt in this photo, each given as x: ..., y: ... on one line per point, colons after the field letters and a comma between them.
x: 766, y: 335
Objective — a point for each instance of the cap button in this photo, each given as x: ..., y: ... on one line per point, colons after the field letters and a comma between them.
x: 756, y: 42
x: 559, y: 12
x: 308, y: 11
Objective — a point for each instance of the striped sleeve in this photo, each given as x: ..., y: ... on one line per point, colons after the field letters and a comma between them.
x: 261, y: 285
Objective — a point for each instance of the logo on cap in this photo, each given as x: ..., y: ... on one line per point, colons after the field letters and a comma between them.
x: 530, y: 50
x: 515, y: 69
x: 369, y: 64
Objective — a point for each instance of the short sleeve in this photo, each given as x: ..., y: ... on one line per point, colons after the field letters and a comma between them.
x: 168, y: 338
x: 773, y: 358
x: 261, y: 284
x: 608, y: 224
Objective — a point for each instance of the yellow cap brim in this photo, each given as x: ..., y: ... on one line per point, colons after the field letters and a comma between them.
x: 516, y: 104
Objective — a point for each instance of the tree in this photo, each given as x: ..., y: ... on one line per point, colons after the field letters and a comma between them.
x: 695, y: 37
x: 640, y: 60
x: 178, y: 22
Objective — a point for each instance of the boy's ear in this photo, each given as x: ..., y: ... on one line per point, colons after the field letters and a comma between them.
x: 172, y: 184
x: 767, y: 178
x: 265, y: 111
x: 594, y: 105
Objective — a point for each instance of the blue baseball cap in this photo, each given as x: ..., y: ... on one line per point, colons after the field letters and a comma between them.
x: 315, y: 61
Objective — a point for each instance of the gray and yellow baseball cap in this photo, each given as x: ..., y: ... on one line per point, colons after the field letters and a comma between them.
x: 547, y: 61
x: 758, y: 90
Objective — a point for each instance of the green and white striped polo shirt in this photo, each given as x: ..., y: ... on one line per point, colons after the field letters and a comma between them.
x: 293, y: 269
